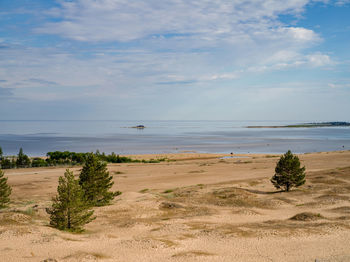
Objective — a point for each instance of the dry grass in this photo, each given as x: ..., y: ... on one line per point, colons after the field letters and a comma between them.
x: 14, y: 218
x: 86, y: 256
x: 306, y: 216
x: 193, y: 253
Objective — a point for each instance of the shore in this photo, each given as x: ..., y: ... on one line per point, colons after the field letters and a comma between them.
x: 193, y: 207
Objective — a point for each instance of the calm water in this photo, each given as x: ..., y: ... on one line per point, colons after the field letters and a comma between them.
x: 39, y: 137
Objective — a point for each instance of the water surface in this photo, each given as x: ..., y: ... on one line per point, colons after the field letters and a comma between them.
x: 39, y: 137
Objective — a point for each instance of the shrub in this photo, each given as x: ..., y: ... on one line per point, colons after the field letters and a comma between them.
x: 288, y: 172
x: 39, y: 162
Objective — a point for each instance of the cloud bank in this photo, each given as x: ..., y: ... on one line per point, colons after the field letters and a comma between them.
x: 131, y: 51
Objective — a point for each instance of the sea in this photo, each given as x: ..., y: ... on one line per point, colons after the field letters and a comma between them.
x: 39, y: 137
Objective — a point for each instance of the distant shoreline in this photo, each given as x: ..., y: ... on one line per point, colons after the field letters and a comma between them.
x: 308, y: 125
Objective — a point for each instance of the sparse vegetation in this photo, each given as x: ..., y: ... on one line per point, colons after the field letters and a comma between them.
x: 307, y: 216
x: 288, y: 172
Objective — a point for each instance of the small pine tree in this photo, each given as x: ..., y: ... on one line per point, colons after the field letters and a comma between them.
x: 1, y: 153
x: 69, y: 210
x: 22, y: 159
x: 5, y: 191
x: 288, y: 172
x: 96, y: 182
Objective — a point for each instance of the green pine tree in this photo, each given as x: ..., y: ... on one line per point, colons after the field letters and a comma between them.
x: 22, y: 159
x: 288, y: 172
x: 96, y: 182
x: 5, y: 191
x: 69, y: 210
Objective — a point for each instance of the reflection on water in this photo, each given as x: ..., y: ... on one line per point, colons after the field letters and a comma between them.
x: 39, y: 137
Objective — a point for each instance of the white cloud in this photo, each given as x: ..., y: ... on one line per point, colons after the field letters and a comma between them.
x: 120, y: 20
x: 319, y: 60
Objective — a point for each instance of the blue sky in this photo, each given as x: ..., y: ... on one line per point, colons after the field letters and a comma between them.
x: 175, y: 59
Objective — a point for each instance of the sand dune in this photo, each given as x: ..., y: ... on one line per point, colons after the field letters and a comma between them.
x: 195, y: 207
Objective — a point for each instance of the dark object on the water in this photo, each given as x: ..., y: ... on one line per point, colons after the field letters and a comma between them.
x: 139, y: 127
x: 231, y: 153
x: 169, y: 205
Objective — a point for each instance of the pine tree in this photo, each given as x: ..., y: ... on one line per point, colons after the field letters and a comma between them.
x: 96, y: 182
x: 22, y: 159
x: 5, y: 190
x: 288, y: 172
x: 69, y: 210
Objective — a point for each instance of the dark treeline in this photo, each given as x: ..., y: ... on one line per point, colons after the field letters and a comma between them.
x: 60, y: 158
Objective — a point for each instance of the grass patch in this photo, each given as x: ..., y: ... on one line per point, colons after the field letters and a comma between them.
x: 192, y: 253
x: 271, y: 156
x: 254, y: 183
x: 118, y: 172
x: 306, y: 216
x: 168, y: 191
x: 82, y: 256
x: 144, y: 190
x: 196, y: 171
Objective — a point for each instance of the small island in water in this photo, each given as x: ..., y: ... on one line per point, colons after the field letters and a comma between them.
x: 321, y: 124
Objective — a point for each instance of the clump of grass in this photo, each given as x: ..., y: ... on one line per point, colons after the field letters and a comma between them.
x: 196, y: 171
x: 254, y: 183
x: 169, y: 205
x: 168, y: 191
x: 118, y: 172
x: 81, y: 255
x: 193, y: 253
x: 306, y: 216
x: 144, y: 190
x: 271, y: 156
x: 29, y: 211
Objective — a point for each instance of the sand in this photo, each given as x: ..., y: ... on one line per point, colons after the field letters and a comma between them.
x: 196, y: 207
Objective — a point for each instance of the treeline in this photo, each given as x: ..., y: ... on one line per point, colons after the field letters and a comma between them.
x: 67, y: 158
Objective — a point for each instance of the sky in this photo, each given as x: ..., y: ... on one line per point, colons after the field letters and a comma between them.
x: 175, y: 60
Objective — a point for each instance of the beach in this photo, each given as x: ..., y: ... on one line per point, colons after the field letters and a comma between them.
x: 192, y: 207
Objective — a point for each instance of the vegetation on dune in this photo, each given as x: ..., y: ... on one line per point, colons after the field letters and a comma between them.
x: 5, y: 191
x: 96, y: 182
x: 288, y: 172
x: 70, y: 209
x: 65, y: 158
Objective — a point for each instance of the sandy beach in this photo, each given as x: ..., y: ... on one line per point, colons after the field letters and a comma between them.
x: 193, y: 207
